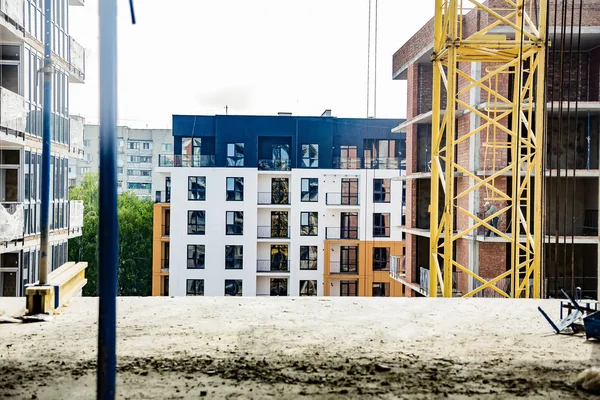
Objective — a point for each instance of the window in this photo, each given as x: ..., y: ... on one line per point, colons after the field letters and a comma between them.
x: 348, y: 158
x: 308, y: 257
x: 308, y: 288
x: 197, y: 188
x: 349, y: 195
x: 235, y: 189
x: 381, y: 190
x: 140, y: 159
x: 138, y: 172
x: 235, y: 154
x: 309, y: 224
x: 348, y: 288
x: 120, y: 170
x: 234, y: 223
x: 196, y: 222
x: 195, y: 287
x: 195, y: 256
x: 87, y: 143
x: 167, y: 147
x: 88, y: 157
x: 233, y: 287
x: 139, y: 186
x: 310, y: 156
x: 133, y: 145
x: 309, y: 190
x: 381, y: 289
x: 381, y: 225
x: 349, y: 259
x: 279, y: 287
x: 147, y: 146
x: 234, y: 257
x: 381, y: 258
x: 120, y: 142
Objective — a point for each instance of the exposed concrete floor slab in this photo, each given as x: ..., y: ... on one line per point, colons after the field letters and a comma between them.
x: 295, y: 347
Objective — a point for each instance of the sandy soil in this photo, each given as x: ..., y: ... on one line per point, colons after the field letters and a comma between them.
x: 327, y: 348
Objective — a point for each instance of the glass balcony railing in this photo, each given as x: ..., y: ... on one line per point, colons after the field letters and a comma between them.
x: 382, y: 163
x: 347, y: 163
x: 341, y: 233
x: 282, y: 198
x: 274, y: 165
x: 272, y: 266
x: 336, y: 267
x: 177, y: 160
x: 273, y: 232
x: 342, y: 199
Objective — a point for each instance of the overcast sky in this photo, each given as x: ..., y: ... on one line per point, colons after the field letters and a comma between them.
x: 255, y: 56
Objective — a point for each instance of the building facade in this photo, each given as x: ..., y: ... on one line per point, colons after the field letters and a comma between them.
x: 137, y: 154
x: 21, y: 58
x: 571, y: 169
x: 279, y: 205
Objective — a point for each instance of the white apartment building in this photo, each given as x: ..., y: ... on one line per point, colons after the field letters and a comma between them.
x: 21, y: 58
x: 249, y: 215
x: 137, y: 154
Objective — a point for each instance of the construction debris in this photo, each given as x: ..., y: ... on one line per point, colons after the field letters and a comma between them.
x: 589, y: 380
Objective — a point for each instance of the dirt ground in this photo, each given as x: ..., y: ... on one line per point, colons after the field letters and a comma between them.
x: 287, y: 348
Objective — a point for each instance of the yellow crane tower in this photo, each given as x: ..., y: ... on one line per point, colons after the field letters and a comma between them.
x: 507, y: 43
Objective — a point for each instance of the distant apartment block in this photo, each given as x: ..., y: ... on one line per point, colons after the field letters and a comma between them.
x: 137, y: 154
x: 21, y: 59
x: 279, y: 206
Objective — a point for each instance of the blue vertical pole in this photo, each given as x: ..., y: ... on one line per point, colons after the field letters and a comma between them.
x: 46, y: 137
x: 108, y: 224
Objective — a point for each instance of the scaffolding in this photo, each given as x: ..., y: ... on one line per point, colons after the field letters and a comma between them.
x: 510, y: 47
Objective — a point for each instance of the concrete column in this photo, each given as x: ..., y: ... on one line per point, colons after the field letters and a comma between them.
x: 474, y: 146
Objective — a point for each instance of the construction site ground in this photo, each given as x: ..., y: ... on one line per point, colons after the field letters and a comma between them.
x: 284, y: 348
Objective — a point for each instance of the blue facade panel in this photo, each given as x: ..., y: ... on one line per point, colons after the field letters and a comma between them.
x: 265, y: 136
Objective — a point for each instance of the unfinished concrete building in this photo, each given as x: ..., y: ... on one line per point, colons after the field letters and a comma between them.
x: 571, y: 162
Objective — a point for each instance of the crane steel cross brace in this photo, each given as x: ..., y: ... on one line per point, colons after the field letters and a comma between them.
x: 509, y: 51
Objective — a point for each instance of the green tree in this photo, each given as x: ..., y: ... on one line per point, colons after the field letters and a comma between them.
x: 135, y: 240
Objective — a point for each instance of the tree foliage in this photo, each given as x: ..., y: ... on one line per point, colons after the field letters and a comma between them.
x: 135, y: 240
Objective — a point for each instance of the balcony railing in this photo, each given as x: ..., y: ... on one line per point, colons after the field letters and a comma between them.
x: 424, y: 280
x: 397, y: 266
x: 13, y: 115
x: 12, y: 221
x: 342, y: 233
x: 347, y: 163
x: 164, y: 265
x: 13, y: 9
x: 77, y: 59
x: 177, y: 160
x: 342, y: 199
x: 272, y: 266
x: 162, y: 196
x: 274, y: 165
x: 273, y: 232
x: 382, y: 163
x: 335, y: 267
x: 274, y: 198
x: 76, y: 135
x: 75, y: 215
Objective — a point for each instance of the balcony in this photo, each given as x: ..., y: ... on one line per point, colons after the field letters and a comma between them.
x: 274, y: 165
x: 342, y: 199
x: 164, y: 265
x: 176, y: 160
x: 13, y: 9
x: 397, y: 267
x: 76, y: 62
x: 342, y: 233
x: 76, y: 135
x: 382, y: 163
x: 13, y: 115
x: 273, y: 232
x: 12, y: 221
x: 272, y: 266
x: 335, y: 267
x: 347, y: 163
x: 274, y: 198
x: 75, y: 215
x: 162, y: 196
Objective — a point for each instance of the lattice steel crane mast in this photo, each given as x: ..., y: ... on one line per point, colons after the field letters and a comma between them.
x: 510, y: 47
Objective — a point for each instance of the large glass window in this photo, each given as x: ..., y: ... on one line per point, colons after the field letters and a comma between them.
x: 381, y: 258
x: 381, y: 190
x: 279, y: 224
x: 279, y: 287
x: 349, y: 194
x: 234, y: 221
x: 234, y: 257
x: 381, y: 289
x: 280, y: 191
x: 235, y: 154
x: 309, y: 224
x: 235, y: 189
x: 310, y: 156
x: 233, y: 287
x: 196, y: 222
x: 349, y: 259
x: 195, y: 287
x: 308, y: 288
x: 381, y: 225
x: 308, y: 257
x: 279, y: 257
x: 195, y: 256
x: 348, y: 288
x: 309, y: 189
x: 197, y: 188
